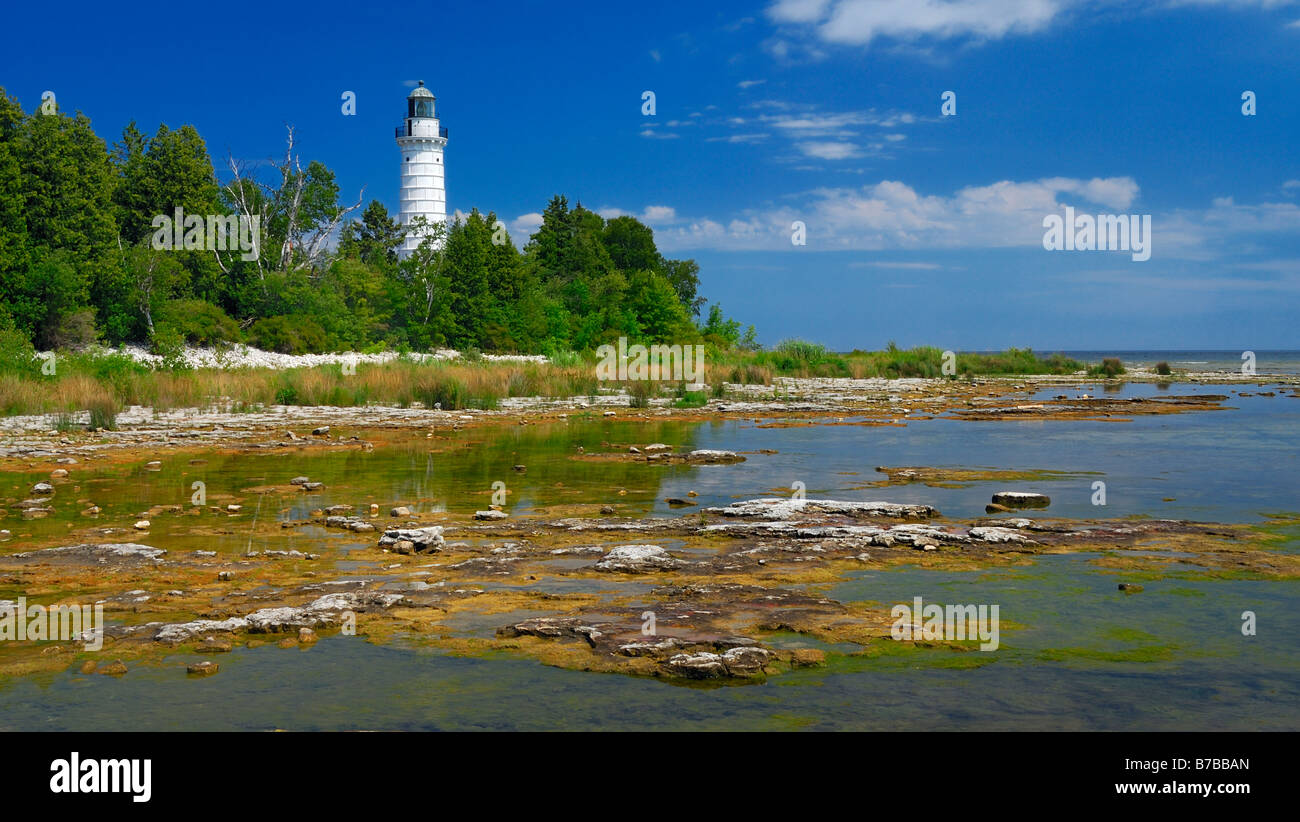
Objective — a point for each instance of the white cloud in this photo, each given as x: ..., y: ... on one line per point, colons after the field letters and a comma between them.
x: 892, y: 264
x: 523, y: 226
x: 659, y: 214
x: 652, y: 214
x: 859, y: 22
x: 738, y: 138
x: 818, y: 125
x: 893, y: 215
x: 862, y: 22
x: 654, y: 135
x: 750, y: 83
x: 825, y: 150
x: 798, y: 11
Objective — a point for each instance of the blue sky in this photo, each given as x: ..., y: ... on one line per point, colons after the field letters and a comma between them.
x: 921, y: 228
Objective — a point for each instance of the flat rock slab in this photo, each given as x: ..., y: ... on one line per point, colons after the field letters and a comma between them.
x: 423, y: 540
x: 98, y: 553
x: 637, y: 559
x: 781, y: 508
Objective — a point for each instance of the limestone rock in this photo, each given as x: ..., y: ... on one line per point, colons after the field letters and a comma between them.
x: 423, y: 540
x: 637, y: 559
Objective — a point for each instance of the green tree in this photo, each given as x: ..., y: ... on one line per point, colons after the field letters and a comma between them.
x: 373, y: 239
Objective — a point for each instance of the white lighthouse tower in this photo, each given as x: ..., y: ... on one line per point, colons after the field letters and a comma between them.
x: 424, y: 188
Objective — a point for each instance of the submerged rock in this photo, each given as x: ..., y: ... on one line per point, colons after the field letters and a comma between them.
x: 1021, y: 499
x: 710, y: 457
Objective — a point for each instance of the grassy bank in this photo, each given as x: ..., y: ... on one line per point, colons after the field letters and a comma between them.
x: 796, y: 358
x: 105, y: 384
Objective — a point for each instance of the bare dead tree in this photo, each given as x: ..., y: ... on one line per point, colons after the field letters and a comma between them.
x: 240, y: 190
x: 309, y: 240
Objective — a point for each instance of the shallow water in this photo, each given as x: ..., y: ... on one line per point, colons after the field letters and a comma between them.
x: 1075, y: 653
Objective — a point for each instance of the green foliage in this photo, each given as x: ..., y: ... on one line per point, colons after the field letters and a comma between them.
x: 374, y: 239
x: 691, y: 399
x: 197, y: 322
x: 1163, y: 368
x: 17, y: 357
x: 77, y: 261
x: 169, y: 344
x: 288, y: 335
x: 1109, y: 367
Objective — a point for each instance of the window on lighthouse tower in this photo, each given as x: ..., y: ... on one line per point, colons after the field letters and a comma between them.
x: 422, y: 109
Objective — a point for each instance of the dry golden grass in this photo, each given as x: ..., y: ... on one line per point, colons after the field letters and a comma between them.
x: 402, y: 383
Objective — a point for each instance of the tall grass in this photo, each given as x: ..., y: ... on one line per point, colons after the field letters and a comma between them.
x: 795, y: 358
x: 89, y: 383
x: 109, y: 383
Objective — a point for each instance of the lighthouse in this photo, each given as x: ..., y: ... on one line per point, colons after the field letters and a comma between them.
x: 424, y: 189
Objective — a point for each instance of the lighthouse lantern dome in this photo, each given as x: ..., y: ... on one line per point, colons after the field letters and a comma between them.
x: 420, y: 103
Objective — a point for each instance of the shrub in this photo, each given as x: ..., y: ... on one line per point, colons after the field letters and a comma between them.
x: 74, y: 331
x: 16, y: 353
x: 690, y: 399
x: 1110, y: 367
x: 168, y: 343
x: 288, y: 334
x: 1163, y: 368
x: 198, y: 322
